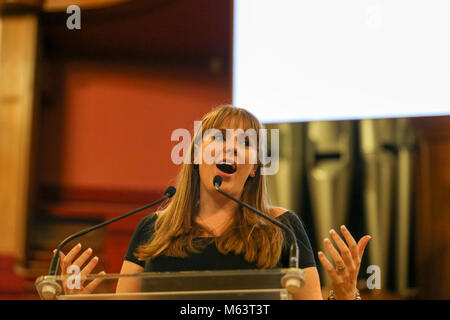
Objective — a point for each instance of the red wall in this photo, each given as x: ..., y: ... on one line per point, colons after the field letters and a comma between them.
x: 117, y: 122
x: 105, y: 143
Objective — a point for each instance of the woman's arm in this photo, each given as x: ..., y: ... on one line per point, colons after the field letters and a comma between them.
x: 311, y: 288
x: 129, y: 284
x: 143, y: 232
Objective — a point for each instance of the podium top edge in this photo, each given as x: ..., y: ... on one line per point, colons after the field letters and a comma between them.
x: 178, y: 274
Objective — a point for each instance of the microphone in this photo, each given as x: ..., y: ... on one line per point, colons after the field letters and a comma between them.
x: 293, y: 260
x: 50, y: 288
x: 294, y: 279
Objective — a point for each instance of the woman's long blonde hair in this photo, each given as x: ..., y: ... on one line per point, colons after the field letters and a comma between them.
x: 176, y: 232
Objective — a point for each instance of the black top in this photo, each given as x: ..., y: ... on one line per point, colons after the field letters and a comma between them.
x: 210, y: 258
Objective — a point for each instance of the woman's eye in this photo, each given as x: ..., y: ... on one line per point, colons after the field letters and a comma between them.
x: 218, y: 138
x: 214, y: 138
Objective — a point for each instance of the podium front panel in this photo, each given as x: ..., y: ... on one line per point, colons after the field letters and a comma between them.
x: 256, y: 284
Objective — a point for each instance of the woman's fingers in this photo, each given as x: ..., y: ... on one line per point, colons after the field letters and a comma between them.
x: 83, y: 258
x: 352, y: 245
x: 327, y: 265
x: 67, y: 260
x: 362, y: 243
x: 93, y: 284
x: 335, y: 256
x: 90, y: 266
x: 345, y: 252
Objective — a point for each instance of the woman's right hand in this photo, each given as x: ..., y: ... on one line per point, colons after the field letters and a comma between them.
x: 67, y: 261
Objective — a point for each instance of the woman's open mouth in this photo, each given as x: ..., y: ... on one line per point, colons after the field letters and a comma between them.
x: 227, y: 168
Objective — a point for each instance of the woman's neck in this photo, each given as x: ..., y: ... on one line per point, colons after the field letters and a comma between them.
x: 215, y: 204
x: 215, y: 211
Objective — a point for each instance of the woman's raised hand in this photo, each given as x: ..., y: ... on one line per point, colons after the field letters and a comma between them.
x: 347, y: 261
x: 73, y: 262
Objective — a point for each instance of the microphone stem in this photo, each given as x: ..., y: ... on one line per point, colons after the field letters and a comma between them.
x: 55, y: 261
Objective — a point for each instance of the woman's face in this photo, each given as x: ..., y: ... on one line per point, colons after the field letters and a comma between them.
x: 232, y: 154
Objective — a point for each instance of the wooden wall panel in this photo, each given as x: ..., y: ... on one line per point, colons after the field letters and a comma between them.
x: 433, y: 208
x: 17, y: 74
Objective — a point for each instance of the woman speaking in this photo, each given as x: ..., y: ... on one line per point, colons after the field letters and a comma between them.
x: 201, y: 229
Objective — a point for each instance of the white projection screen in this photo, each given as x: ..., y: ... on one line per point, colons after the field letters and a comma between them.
x: 306, y: 60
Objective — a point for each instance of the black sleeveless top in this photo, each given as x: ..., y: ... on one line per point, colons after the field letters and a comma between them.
x: 210, y: 258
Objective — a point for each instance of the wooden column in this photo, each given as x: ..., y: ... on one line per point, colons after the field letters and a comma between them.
x: 433, y: 208
x: 18, y: 44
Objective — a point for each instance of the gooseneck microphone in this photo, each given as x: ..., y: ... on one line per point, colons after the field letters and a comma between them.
x: 293, y: 259
x: 170, y: 191
x: 48, y: 287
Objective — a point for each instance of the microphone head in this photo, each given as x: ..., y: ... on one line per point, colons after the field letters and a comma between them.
x: 170, y: 191
x: 217, y: 182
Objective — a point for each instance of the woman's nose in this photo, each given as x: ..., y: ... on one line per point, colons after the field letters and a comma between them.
x: 230, y: 148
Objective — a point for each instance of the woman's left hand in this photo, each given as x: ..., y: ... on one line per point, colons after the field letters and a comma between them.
x: 345, y: 271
